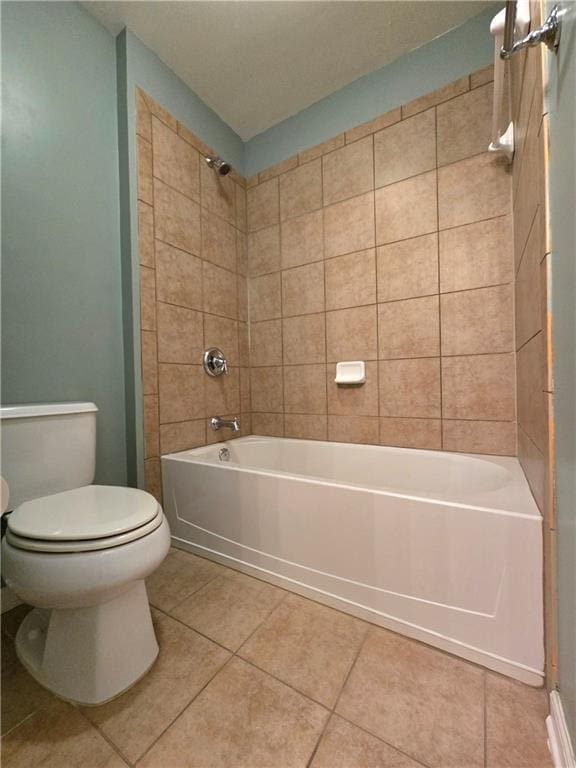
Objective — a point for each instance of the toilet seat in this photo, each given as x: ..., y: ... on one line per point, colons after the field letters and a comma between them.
x: 84, y: 519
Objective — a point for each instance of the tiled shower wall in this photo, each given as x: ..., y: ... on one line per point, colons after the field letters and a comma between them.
x: 392, y: 244
x: 532, y: 257
x: 193, y: 289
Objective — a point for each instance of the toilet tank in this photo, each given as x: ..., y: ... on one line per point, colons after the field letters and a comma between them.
x: 47, y: 448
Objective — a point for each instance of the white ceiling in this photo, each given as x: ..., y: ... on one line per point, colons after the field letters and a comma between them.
x: 257, y: 63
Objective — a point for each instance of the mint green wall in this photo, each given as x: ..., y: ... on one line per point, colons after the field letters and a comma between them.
x: 456, y: 53
x: 61, y: 293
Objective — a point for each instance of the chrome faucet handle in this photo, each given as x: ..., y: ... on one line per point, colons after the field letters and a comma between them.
x: 215, y: 364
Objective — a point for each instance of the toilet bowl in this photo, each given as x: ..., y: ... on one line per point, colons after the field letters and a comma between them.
x: 81, y: 558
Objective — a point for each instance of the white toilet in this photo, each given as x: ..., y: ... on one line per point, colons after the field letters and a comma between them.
x: 79, y: 553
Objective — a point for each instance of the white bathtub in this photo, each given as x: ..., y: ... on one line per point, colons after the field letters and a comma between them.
x: 443, y: 547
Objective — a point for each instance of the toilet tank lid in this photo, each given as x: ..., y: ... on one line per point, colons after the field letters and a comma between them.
x: 44, y: 409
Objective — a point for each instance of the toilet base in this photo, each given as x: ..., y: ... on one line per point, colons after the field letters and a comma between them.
x: 93, y: 654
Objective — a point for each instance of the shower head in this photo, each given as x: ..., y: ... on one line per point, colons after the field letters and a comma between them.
x: 216, y: 163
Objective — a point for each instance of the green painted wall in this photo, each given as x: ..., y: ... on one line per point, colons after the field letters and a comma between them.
x: 61, y: 290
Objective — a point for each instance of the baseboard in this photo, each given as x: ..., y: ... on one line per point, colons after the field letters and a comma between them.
x: 8, y: 599
x: 558, y: 736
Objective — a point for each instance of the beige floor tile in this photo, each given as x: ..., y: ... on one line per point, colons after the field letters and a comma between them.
x: 243, y: 719
x: 515, y: 725
x: 343, y: 745
x: 180, y: 575
x: 58, y: 737
x: 185, y: 664
x: 230, y: 608
x: 307, y: 645
x: 417, y: 699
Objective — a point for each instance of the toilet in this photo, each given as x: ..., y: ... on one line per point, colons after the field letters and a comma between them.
x: 79, y: 553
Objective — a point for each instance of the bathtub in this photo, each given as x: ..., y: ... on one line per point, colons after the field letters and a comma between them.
x: 445, y: 548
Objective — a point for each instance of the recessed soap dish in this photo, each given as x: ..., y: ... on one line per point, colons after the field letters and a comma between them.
x: 350, y: 372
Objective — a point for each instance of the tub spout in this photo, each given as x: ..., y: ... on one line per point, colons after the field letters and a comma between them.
x: 217, y: 423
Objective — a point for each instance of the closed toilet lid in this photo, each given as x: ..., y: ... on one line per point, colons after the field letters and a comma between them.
x: 91, y: 512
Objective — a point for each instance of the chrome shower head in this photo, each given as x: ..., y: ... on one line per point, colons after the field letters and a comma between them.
x: 216, y: 163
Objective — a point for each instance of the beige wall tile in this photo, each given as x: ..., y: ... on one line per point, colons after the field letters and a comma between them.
x: 241, y: 253
x: 307, y: 427
x: 349, y: 226
x: 153, y: 478
x: 175, y: 161
x: 436, y: 97
x: 181, y: 392
x: 266, y: 343
x: 144, y: 164
x: 471, y: 190
x: 321, y: 149
x: 149, y: 363
x: 218, y: 241
x: 301, y: 190
x: 409, y: 328
x: 176, y: 218
x: 497, y: 438
x: 411, y: 433
x: 146, y: 234
x: 352, y: 334
x: 263, y: 205
x: 354, y: 399
x: 244, y: 343
x: 482, y: 76
x: 222, y: 394
x: 353, y: 429
x: 241, y: 209
x: 178, y: 277
x: 350, y: 280
x: 278, y: 168
x: 479, y: 387
x: 245, y: 397
x: 264, y: 251
x: 389, y: 118
x: 532, y: 401
x: 266, y: 389
x: 304, y: 339
x: 147, y: 299
x: 406, y: 209
x: 303, y: 239
x: 305, y: 389
x: 348, y: 172
x: 528, y: 304
x: 218, y: 193
x: 151, y: 426
x: 265, y: 297
x: 220, y: 291
x: 194, y: 141
x: 143, y: 116
x: 159, y: 111
x: 270, y: 424
x: 405, y: 149
x: 410, y: 388
x: 180, y: 336
x: 534, y: 465
x: 464, y: 125
x: 303, y: 290
x: 222, y: 332
x: 408, y: 268
x: 242, y: 283
x: 476, y: 255
x: 182, y: 436
x: 478, y: 321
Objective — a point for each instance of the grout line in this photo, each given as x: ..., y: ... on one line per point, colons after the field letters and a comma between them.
x: 103, y: 734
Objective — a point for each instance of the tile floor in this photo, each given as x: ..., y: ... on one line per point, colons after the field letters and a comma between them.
x: 252, y: 676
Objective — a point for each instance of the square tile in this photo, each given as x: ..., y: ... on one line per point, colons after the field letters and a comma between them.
x: 408, y: 268
x: 175, y: 161
x: 309, y: 646
x: 266, y: 389
x: 242, y: 253
x: 353, y: 429
x: 305, y: 427
x: 304, y: 339
x: 352, y: 334
x: 428, y: 100
x: 229, y: 608
x: 482, y: 76
x: 147, y: 299
x: 351, y: 280
x: 222, y: 394
x: 478, y: 321
x: 222, y: 332
x: 181, y: 436
x: 410, y: 388
x: 264, y: 251
x: 464, y: 125
x: 144, y: 170
x: 301, y: 190
x: 245, y: 719
x: 348, y: 172
x: 149, y: 363
x: 372, y: 126
x: 409, y: 328
x: 349, y: 226
x: 479, y: 387
x: 180, y: 335
x: 146, y: 234
x: 426, y: 703
x: 151, y: 426
x: 354, y: 399
x: 411, y: 433
x: 305, y: 389
x: 405, y: 149
x: 321, y: 149
x: 185, y: 664
x: 178, y: 276
x: 528, y: 289
x: 179, y: 576
x: 271, y: 424
x: 220, y: 290
x: 218, y: 241
x: 497, y: 438
x: 241, y: 209
x: 176, y: 218
x: 265, y: 297
x: 303, y: 290
x: 406, y: 209
x: 153, y: 478
x: 303, y: 239
x: 278, y: 168
x: 162, y: 114
x: 181, y: 392
x: 263, y: 205
x: 266, y: 343
x: 218, y: 193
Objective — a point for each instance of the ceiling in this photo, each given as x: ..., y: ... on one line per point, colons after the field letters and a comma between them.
x: 257, y: 63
